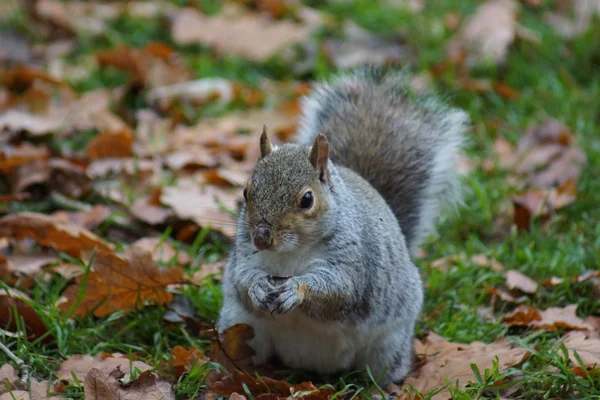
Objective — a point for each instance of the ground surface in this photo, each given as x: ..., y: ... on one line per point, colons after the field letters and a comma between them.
x: 543, y: 76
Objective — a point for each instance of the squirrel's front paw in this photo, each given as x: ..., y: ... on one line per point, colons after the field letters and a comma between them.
x: 261, y: 294
x: 288, y: 296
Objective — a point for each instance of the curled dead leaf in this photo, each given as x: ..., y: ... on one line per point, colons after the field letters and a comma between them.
x: 185, y: 359
x: 232, y: 350
x: 111, y: 144
x: 550, y: 319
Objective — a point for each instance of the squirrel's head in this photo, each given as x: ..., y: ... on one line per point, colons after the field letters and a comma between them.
x: 288, y: 195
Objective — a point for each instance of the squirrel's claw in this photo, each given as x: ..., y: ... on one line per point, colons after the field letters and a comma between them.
x: 261, y: 295
x: 288, y: 296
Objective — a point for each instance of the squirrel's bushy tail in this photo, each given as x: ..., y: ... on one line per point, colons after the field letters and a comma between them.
x: 403, y: 144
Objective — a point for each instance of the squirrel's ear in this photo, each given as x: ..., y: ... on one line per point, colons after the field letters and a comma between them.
x: 319, y: 155
x: 265, y: 143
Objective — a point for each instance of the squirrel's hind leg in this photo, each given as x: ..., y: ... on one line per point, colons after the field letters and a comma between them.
x: 392, y: 353
x: 233, y: 313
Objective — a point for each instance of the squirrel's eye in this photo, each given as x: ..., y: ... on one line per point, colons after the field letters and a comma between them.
x: 246, y: 195
x: 307, y: 201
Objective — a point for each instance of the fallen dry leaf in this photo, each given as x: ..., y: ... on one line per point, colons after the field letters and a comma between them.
x: 452, y: 361
x: 8, y: 377
x: 184, y: 360
x: 487, y: 34
x: 153, y: 66
x: 88, y: 112
x: 237, y: 32
x: 516, y: 280
x: 99, y: 386
x: 118, y: 284
x: 586, y: 345
x: 12, y: 157
x: 206, y: 270
x: 162, y: 251
x: 359, y: 47
x: 49, y: 231
x: 90, y: 18
x: 202, y: 204
x: 111, y: 144
x: 149, y: 213
x: 501, y: 294
x: 25, y: 264
x: 81, y: 365
x: 541, y: 203
x: 550, y: 319
x: 11, y: 300
x: 232, y: 350
x: 266, y: 388
x: 583, y: 13
x: 555, y: 281
x: 444, y: 263
x: 89, y: 219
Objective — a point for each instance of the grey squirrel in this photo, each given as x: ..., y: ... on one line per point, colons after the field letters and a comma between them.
x: 336, y: 216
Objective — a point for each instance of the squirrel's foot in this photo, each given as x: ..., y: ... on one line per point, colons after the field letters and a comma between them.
x: 262, y: 295
x: 288, y: 296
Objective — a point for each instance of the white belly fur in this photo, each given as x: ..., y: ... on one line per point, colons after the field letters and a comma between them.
x: 301, y: 342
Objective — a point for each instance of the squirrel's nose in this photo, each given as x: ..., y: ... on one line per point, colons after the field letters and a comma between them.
x: 262, y: 238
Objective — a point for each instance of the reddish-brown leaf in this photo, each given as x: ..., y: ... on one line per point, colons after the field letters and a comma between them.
x: 232, y: 350
x: 111, y: 145
x: 265, y: 388
x: 118, y: 284
x: 22, y: 77
x: 12, y: 300
x: 12, y: 157
x: 49, y: 231
x: 184, y: 360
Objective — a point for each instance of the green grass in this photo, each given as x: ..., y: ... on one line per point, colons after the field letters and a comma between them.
x: 565, y: 87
